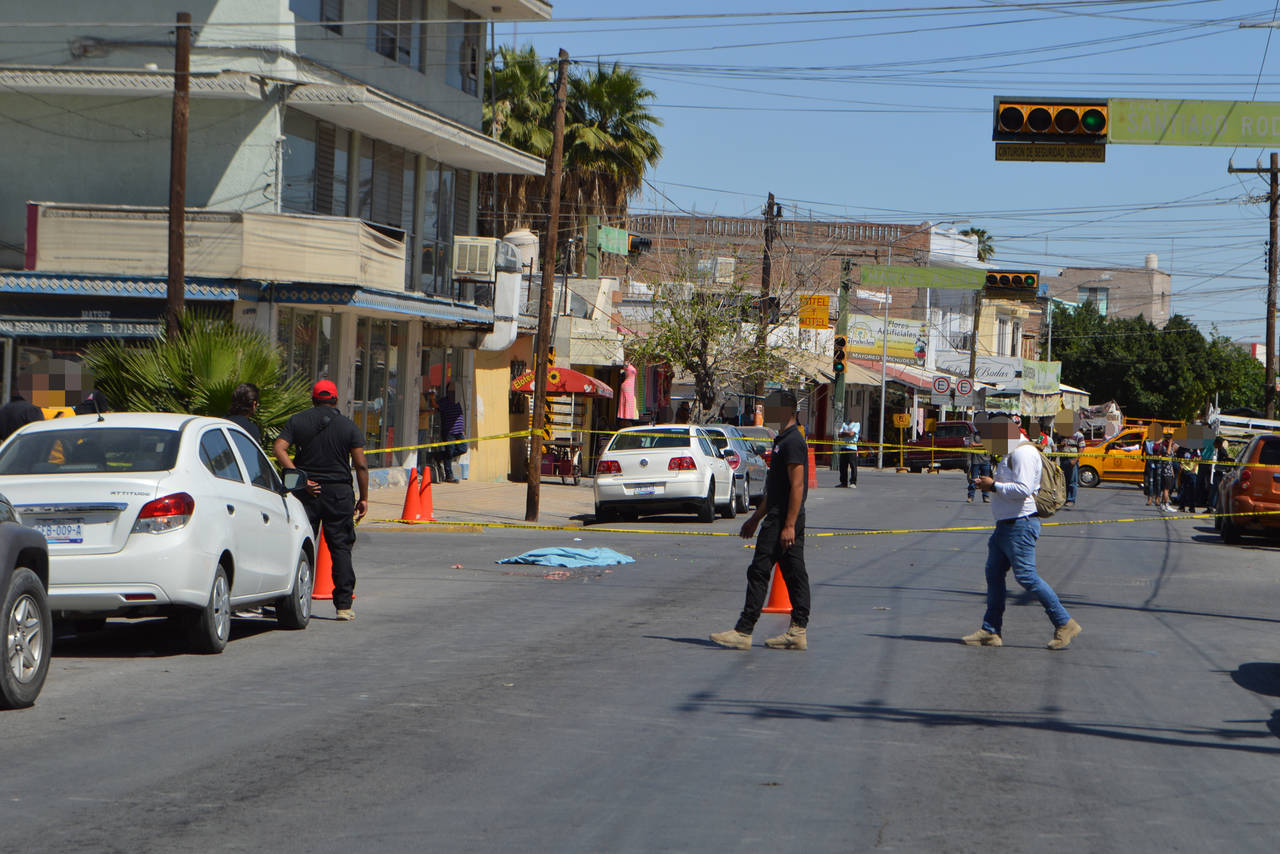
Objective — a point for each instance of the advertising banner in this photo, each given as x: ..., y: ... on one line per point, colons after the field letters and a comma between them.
x: 1041, y: 377
x: 908, y: 339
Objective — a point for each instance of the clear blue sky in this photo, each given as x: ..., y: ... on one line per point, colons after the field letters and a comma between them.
x: 886, y: 116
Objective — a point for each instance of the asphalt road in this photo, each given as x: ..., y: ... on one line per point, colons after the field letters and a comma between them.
x: 487, y: 708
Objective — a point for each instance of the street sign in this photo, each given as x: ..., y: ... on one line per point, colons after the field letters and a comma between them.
x: 941, y: 385
x: 1167, y: 121
x: 1056, y: 152
x: 612, y: 240
x: 923, y: 277
x: 815, y: 312
x: 964, y: 387
x: 902, y: 420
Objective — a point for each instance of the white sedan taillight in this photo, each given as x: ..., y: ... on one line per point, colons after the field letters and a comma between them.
x: 733, y: 460
x: 165, y: 514
x: 682, y: 464
x: 608, y: 467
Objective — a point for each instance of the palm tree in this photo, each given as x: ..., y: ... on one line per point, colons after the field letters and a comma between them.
x: 985, y: 247
x: 196, y: 371
x: 609, y: 140
x: 520, y: 116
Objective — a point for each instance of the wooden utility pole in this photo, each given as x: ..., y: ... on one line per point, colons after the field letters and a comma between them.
x: 772, y: 212
x: 1273, y: 208
x: 540, y: 366
x: 175, y: 303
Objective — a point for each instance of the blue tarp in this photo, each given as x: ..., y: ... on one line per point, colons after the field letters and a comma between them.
x: 570, y: 557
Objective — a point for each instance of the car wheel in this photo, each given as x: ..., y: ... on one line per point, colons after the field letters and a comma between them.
x: 209, y: 629
x: 28, y: 639
x: 1088, y: 476
x: 745, y: 504
x: 1230, y: 531
x: 294, y: 610
x: 707, y: 512
x: 730, y: 508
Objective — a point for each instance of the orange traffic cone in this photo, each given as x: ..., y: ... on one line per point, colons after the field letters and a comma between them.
x: 324, y: 572
x: 412, y: 511
x: 813, y: 473
x: 779, y: 600
x: 425, y: 509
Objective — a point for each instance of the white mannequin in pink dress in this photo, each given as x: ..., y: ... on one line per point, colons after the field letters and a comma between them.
x: 627, y: 394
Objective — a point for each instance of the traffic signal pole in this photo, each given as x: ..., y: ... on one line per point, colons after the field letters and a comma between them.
x: 1273, y: 209
x: 842, y: 331
x: 772, y: 211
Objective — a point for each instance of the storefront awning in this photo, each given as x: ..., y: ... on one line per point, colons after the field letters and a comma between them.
x: 209, y: 290
x: 376, y: 114
x: 386, y: 302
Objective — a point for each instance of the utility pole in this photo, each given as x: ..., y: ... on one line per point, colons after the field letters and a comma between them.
x: 842, y: 330
x: 1274, y: 204
x: 772, y: 212
x: 176, y: 292
x: 540, y: 366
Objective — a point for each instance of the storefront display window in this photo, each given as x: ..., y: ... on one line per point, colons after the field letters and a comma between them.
x: 375, y: 409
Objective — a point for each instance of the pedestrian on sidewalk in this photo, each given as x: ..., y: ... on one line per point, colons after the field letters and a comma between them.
x: 977, y: 464
x: 453, y: 428
x: 781, y: 538
x: 848, y: 435
x: 1070, y: 462
x: 1013, y: 543
x: 328, y: 446
x: 244, y: 405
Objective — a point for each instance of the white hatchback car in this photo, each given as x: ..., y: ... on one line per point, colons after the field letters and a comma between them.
x: 663, y: 468
x: 159, y: 513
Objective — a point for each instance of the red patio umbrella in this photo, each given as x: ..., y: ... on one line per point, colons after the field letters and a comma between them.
x: 564, y: 381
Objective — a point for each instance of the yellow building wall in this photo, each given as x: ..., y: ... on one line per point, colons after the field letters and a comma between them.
x: 491, y: 460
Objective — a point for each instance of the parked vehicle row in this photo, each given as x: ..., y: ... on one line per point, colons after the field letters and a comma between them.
x: 153, y: 514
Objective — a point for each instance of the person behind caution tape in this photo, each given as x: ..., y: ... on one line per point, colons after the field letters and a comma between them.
x: 1012, y: 544
x: 781, y: 538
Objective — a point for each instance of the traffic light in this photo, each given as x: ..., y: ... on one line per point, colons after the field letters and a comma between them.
x: 1050, y: 120
x: 1014, y: 284
x: 637, y: 244
x: 837, y: 362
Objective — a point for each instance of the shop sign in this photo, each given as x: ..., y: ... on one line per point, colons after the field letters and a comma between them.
x: 17, y: 327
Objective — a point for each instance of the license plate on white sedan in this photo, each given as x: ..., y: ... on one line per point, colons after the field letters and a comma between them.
x: 644, y: 489
x: 58, y: 531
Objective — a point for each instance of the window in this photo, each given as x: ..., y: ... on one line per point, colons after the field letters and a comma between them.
x: 462, y: 50
x: 400, y: 33
x: 641, y: 440
x: 260, y: 471
x: 216, y: 455
x: 314, y: 167
x: 306, y: 339
x: 118, y: 450
x: 1097, y: 296
x: 327, y: 12
x: 437, y: 229
x: 1002, y: 336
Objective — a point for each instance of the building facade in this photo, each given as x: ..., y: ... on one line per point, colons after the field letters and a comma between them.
x: 333, y: 154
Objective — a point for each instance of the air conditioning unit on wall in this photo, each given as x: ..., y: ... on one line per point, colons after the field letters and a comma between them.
x: 473, y: 257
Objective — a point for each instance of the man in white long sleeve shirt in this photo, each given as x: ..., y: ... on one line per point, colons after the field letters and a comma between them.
x: 1013, y: 543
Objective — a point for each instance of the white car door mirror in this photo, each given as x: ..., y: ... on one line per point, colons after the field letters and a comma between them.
x: 294, y: 479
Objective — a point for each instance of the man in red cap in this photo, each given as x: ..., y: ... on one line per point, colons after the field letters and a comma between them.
x: 329, y: 445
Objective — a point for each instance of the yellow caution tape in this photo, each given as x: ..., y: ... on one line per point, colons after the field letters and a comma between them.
x: 809, y: 533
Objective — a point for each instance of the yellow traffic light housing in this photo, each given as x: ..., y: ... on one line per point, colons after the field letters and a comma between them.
x: 1050, y: 120
x: 1015, y: 284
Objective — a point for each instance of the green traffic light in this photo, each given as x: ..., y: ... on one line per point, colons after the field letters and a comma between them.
x: 1093, y: 121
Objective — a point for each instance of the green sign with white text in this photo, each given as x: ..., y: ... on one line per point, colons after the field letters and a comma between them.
x: 1168, y: 121
x: 924, y: 277
x: 612, y: 240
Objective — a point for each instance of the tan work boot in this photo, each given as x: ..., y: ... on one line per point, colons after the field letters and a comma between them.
x: 793, y: 638
x: 982, y: 637
x: 1063, y: 635
x: 732, y: 639
x: 346, y: 614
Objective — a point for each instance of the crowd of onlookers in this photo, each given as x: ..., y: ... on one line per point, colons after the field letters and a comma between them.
x: 1187, y: 475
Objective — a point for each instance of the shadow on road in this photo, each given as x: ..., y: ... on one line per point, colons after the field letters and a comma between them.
x: 153, y: 638
x: 691, y: 641
x: 1214, y: 738
x: 920, y: 638
x: 1260, y: 677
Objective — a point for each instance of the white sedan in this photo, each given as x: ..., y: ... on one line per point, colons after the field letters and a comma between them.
x: 663, y: 468
x: 159, y: 513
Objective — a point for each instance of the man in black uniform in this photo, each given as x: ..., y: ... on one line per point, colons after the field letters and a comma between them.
x: 325, y: 439
x: 781, y: 539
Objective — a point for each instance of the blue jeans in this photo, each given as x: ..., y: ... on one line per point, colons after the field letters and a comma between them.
x: 1013, y: 545
x: 1071, y: 469
x: 976, y: 471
